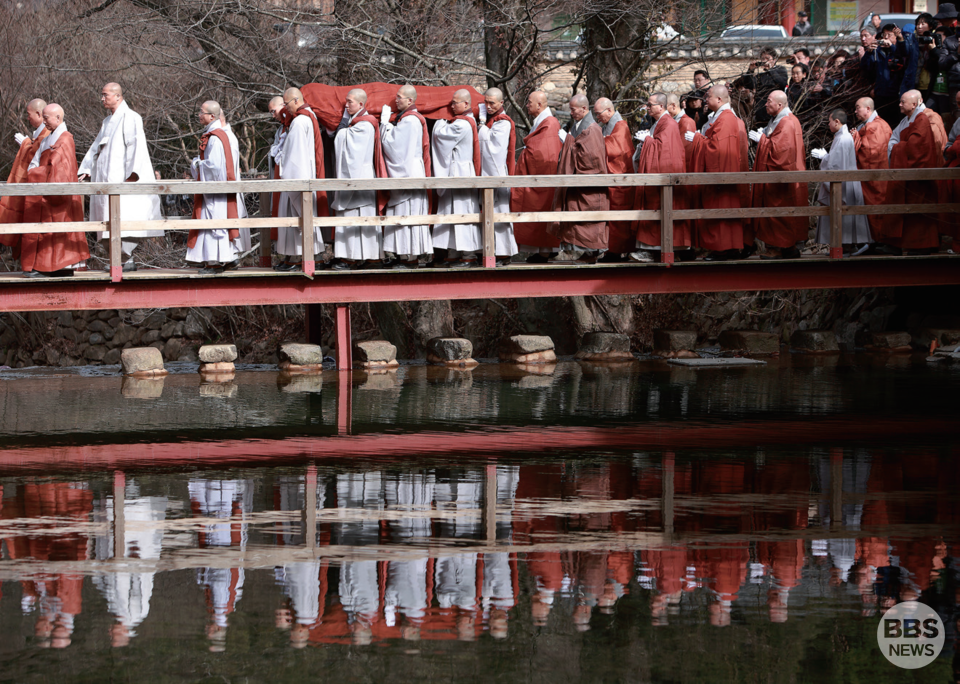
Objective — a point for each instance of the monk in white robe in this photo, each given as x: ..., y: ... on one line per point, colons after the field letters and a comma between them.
x: 244, y: 242
x: 842, y: 157
x: 119, y: 154
x: 213, y: 247
x: 354, y: 154
x: 456, y: 154
x: 406, y: 153
x: 297, y: 160
x: 497, y: 137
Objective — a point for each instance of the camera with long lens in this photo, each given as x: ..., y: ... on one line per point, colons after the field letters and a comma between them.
x: 926, y: 39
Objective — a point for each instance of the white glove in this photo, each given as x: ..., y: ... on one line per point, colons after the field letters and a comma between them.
x: 385, y: 115
x: 19, y: 137
x: 689, y: 136
x: 483, y: 112
x: 755, y: 135
x: 818, y: 153
x: 641, y: 135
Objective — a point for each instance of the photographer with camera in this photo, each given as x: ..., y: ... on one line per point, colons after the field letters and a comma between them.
x: 770, y: 78
x: 948, y: 61
x: 882, y: 63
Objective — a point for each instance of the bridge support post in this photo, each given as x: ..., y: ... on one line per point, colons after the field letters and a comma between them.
x: 836, y: 220
x: 306, y: 225
x: 489, y: 241
x: 119, y: 524
x: 344, y: 402
x: 265, y: 241
x: 116, y: 253
x: 344, y: 338
x: 666, y: 224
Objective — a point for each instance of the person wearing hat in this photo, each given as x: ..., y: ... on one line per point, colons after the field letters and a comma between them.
x: 948, y: 59
x: 803, y: 27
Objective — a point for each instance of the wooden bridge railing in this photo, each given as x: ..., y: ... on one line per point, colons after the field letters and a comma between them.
x: 486, y: 217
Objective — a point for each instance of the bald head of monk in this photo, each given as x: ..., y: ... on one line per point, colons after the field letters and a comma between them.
x: 209, y: 112
x: 111, y: 96
x: 864, y: 108
x: 405, y: 98
x: 717, y: 96
x: 276, y: 107
x: 603, y: 110
x: 776, y: 101
x: 909, y: 101
x: 579, y: 106
x: 493, y: 99
x: 292, y: 100
x: 536, y: 103
x: 356, y: 101
x: 460, y: 103
x: 35, y: 112
x: 52, y: 116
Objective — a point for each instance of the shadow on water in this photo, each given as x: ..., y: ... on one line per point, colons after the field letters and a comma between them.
x: 575, y: 523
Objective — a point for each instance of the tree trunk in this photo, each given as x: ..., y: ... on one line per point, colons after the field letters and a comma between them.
x: 410, y: 325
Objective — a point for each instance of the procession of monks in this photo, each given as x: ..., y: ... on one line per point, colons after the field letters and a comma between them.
x: 468, y: 142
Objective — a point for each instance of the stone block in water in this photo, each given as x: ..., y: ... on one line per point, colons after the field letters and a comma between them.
x: 749, y: 341
x: 527, y: 349
x: 604, y: 346
x: 451, y: 351
x: 297, y: 357
x: 889, y: 342
x: 142, y: 361
x: 218, y: 353
x: 375, y: 354
x: 816, y: 341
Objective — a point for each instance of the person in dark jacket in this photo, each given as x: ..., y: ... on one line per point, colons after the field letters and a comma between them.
x: 770, y: 78
x: 803, y: 27
x: 948, y: 59
x: 883, y: 65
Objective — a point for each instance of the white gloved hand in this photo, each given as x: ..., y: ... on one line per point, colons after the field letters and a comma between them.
x: 483, y: 112
x: 385, y: 115
x: 755, y: 135
x: 689, y: 136
x: 642, y: 135
x: 818, y: 153
x: 19, y: 137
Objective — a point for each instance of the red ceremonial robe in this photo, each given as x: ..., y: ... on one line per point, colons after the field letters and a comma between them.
x: 620, y: 150
x: 585, y: 154
x: 379, y: 165
x: 871, y: 143
x: 781, y: 151
x: 11, y: 208
x: 917, y: 149
x: 539, y: 157
x: 720, y: 150
x: 48, y: 252
x: 949, y: 190
x: 687, y: 125
x: 662, y: 152
x: 232, y: 213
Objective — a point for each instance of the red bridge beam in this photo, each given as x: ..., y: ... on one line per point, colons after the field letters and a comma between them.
x: 499, y: 283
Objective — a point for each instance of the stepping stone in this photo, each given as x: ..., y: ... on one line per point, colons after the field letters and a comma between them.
x: 890, y: 342
x: 218, y: 353
x: 675, y: 344
x: 527, y: 349
x: 814, y: 342
x: 451, y: 351
x: 749, y: 341
x: 142, y: 362
x: 300, y: 358
x: 605, y: 346
x: 375, y: 354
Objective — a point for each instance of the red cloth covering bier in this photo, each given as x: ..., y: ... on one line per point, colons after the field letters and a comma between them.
x: 917, y: 149
x: 48, y: 252
x: 11, y: 207
x: 379, y: 165
x: 433, y: 102
x: 782, y: 150
x: 662, y: 152
x: 540, y: 156
x: 620, y: 150
x: 412, y: 111
x: 233, y: 233
x: 512, y: 145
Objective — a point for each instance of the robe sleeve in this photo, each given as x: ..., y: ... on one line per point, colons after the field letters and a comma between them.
x: 447, y: 137
x: 494, y: 142
x: 590, y: 155
x: 131, y: 142
x: 297, y: 158
x: 354, y: 145
x: 90, y: 158
x: 214, y: 166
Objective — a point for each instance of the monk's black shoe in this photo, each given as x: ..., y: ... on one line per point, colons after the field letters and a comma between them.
x: 129, y: 267
x: 211, y: 270
x: 537, y: 259
x: 285, y: 267
x: 35, y: 274
x: 232, y: 265
x: 725, y: 255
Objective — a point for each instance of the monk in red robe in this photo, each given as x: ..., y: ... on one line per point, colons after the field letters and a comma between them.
x: 871, y: 139
x: 619, y: 145
x: 583, y: 154
x: 540, y: 156
x: 913, y: 145
x: 780, y: 148
x: 720, y: 148
x: 661, y: 151
x: 53, y: 254
x: 950, y: 223
x: 11, y: 207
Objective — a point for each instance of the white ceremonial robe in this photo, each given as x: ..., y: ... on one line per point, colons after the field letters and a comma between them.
x: 452, y: 149
x: 297, y: 161
x: 244, y: 242
x: 843, y: 157
x: 118, y: 151
x: 353, y: 156
x: 213, y: 244
x: 494, y: 145
x: 402, y: 148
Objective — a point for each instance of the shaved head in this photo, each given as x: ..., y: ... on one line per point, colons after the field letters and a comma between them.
x: 36, y: 105
x: 721, y: 92
x: 579, y: 100
x: 602, y: 104
x: 275, y: 102
x: 358, y: 94
x: 213, y: 108
x: 494, y: 93
x: 114, y: 88
x: 673, y: 99
x: 866, y: 103
x: 408, y: 91
x: 538, y: 96
x: 660, y: 99
x: 291, y: 93
x: 536, y: 103
x: 52, y: 116
x: 462, y: 95
x: 603, y: 110
x: 914, y: 95
x: 780, y: 97
x: 461, y: 102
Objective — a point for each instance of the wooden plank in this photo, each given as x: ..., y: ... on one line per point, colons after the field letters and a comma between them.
x: 116, y: 254
x: 487, y: 214
x: 64, y: 227
x: 666, y: 223
x: 750, y: 212
x: 901, y: 209
x: 836, y: 220
x: 306, y: 227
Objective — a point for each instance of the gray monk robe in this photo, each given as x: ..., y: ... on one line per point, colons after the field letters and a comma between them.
x: 843, y: 157
x: 584, y: 152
